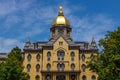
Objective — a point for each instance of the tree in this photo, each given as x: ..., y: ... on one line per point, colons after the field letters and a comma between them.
x: 107, y: 63
x: 12, y: 68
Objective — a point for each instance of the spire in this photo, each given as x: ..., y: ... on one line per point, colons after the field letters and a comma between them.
x: 28, y: 39
x: 93, y: 43
x: 27, y: 44
x: 93, y: 40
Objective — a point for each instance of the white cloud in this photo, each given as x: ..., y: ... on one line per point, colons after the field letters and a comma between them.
x: 91, y: 26
x: 30, y: 19
x: 7, y: 7
x: 30, y: 33
x: 7, y: 44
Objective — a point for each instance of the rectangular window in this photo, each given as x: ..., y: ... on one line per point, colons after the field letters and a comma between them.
x: 60, y: 43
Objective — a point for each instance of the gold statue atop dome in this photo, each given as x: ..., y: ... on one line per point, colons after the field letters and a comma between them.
x: 60, y: 19
x: 60, y: 8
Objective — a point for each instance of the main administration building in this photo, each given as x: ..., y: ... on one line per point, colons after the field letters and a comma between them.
x: 60, y: 58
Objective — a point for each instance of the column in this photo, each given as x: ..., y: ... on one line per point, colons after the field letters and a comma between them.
x: 67, y: 76
x: 43, y: 77
x: 78, y: 76
x: 54, y: 76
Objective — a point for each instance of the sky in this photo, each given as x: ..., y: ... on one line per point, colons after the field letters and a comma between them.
x: 23, y: 19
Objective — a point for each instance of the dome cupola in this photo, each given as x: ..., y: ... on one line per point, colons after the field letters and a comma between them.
x: 60, y: 26
x: 60, y: 19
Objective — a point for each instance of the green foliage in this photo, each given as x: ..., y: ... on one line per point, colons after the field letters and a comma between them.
x: 12, y: 68
x: 107, y: 63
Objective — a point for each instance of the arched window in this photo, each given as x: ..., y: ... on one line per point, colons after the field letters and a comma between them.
x: 72, y: 56
x: 28, y: 76
x: 73, y: 77
x: 29, y: 57
x: 60, y: 54
x: 48, y: 66
x: 58, y: 66
x: 48, y: 77
x: 38, y: 57
x: 84, y: 77
x: 72, y: 66
x: 93, y: 78
x: 37, y: 78
x: 37, y: 67
x: 48, y: 56
x: 83, y: 67
x: 62, y: 66
x: 92, y: 57
x: 83, y: 57
x: 28, y: 67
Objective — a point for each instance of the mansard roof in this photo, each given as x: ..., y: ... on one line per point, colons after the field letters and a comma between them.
x: 84, y: 46
x: 3, y: 56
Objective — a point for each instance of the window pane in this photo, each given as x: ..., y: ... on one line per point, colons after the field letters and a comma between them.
x: 83, y: 67
x: 28, y: 76
x: 92, y: 57
x: 72, y: 66
x: 37, y: 78
x: 58, y: 66
x: 38, y: 57
x: 48, y: 56
x: 60, y: 54
x: 83, y: 57
x: 37, y: 67
x: 29, y: 57
x: 28, y: 67
x: 48, y: 66
x: 84, y: 77
x: 93, y: 78
x: 72, y: 59
x: 48, y: 77
x: 72, y: 54
x: 62, y: 66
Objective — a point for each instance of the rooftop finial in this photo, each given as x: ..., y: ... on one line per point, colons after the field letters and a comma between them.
x: 93, y: 40
x: 28, y: 39
x: 60, y: 8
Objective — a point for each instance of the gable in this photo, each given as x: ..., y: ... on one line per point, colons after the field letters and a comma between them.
x: 60, y: 43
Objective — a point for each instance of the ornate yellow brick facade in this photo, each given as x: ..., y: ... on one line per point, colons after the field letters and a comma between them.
x: 60, y: 58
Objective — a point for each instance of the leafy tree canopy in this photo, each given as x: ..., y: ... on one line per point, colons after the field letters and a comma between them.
x: 12, y: 68
x: 107, y: 63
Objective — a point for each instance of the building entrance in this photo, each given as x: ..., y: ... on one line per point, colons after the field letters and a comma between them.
x: 60, y: 77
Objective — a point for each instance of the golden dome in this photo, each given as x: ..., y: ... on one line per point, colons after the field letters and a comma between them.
x: 60, y: 20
